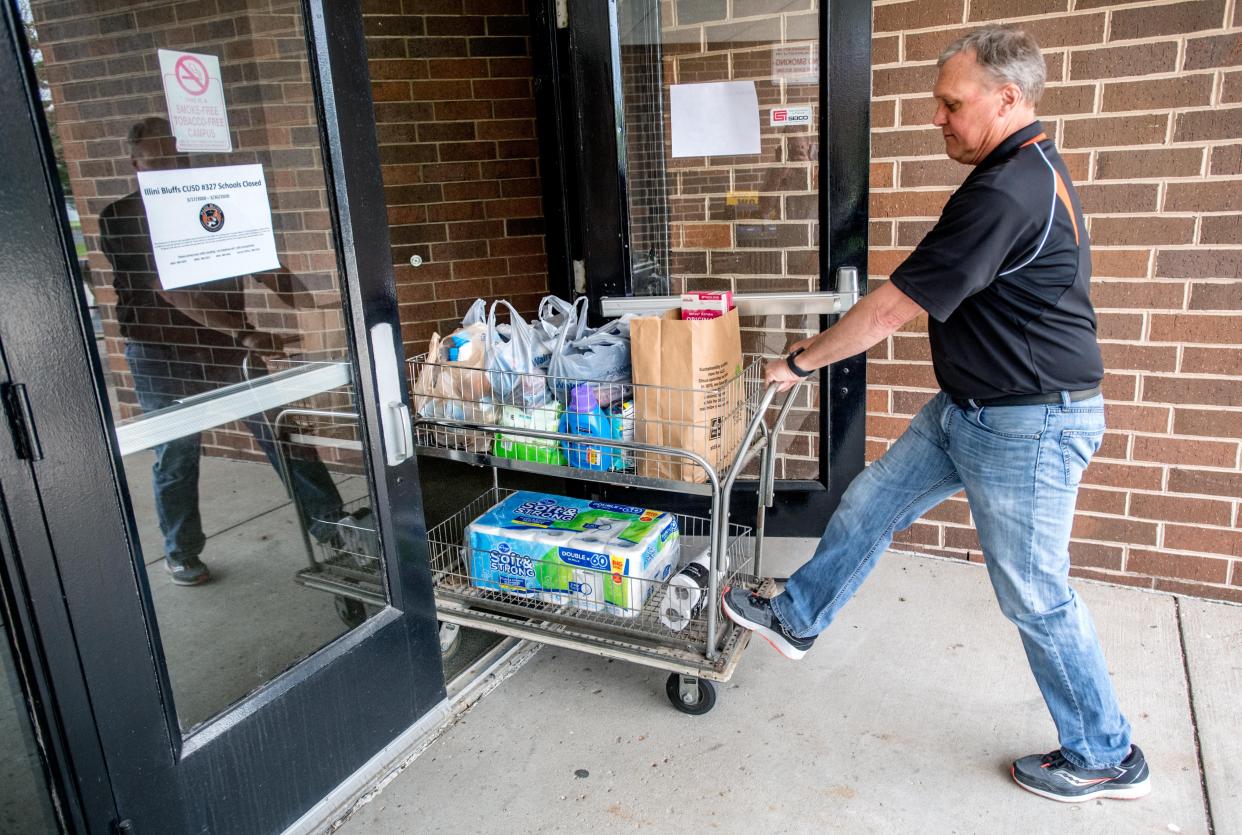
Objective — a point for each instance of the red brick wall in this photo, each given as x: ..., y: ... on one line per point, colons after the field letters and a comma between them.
x: 1145, y: 102
x: 455, y: 112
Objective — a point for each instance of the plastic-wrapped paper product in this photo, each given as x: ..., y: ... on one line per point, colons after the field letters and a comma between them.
x: 686, y: 594
x: 621, y: 414
x: 546, y: 418
x: 598, y: 556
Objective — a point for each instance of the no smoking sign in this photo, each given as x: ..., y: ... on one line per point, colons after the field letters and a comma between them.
x: 194, y: 94
x: 191, y: 74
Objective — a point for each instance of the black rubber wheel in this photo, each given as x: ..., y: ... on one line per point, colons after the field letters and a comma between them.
x: 351, y: 612
x: 706, y: 701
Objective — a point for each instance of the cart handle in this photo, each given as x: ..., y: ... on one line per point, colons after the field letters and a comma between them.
x: 770, y: 395
x: 745, y: 452
x: 767, y: 479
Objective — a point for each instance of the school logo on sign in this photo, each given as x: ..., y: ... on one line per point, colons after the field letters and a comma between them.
x: 211, y: 217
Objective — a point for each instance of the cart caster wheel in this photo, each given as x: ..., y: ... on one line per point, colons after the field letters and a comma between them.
x: 351, y: 612
x: 697, y: 697
x: 450, y: 639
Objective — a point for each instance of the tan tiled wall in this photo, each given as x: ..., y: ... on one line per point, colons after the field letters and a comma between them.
x: 1145, y: 102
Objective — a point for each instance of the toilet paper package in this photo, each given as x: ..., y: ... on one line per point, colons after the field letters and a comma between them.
x: 598, y: 556
x: 686, y: 593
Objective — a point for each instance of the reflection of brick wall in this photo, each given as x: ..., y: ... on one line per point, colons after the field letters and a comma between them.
x: 744, y: 223
x: 645, y: 165
x: 103, y: 74
x: 644, y: 132
x: 455, y: 109
x: 1142, y: 101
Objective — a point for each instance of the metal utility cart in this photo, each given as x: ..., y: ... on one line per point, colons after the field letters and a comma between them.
x: 463, y: 426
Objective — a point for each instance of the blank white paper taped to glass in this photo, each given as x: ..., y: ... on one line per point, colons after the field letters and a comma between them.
x: 720, y: 118
x: 208, y: 223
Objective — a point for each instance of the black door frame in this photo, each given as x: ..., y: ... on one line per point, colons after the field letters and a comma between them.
x: 578, y: 62
x: 91, y: 627
x: 41, y: 640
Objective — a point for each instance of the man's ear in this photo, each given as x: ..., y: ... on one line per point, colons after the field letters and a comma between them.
x: 1011, y: 97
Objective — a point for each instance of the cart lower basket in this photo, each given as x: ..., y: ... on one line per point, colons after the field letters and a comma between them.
x: 702, y: 646
x: 637, y: 635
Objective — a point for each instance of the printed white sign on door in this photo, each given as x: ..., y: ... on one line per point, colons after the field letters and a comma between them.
x: 797, y: 63
x: 194, y: 94
x: 208, y: 223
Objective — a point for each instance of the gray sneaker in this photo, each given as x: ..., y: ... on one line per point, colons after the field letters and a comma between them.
x: 187, y: 571
x: 1056, y: 778
x: 754, y: 611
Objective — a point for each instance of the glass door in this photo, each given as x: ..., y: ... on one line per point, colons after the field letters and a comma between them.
x: 724, y: 147
x: 203, y: 339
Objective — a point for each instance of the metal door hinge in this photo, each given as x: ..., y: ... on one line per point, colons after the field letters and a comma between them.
x: 21, y: 421
x: 125, y: 827
x: 562, y: 14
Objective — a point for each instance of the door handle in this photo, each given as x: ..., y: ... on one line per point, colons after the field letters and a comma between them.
x: 390, y: 386
x: 405, y: 437
x: 847, y: 283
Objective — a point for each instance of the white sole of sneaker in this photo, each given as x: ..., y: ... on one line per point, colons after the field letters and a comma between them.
x: 172, y: 578
x: 778, y: 643
x: 1131, y: 792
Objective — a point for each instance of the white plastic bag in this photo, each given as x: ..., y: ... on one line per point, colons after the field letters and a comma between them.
x: 476, y: 315
x: 516, y: 378
x: 600, y: 357
x: 555, y: 316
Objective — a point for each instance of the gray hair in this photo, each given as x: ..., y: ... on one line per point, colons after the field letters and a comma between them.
x: 1007, y: 54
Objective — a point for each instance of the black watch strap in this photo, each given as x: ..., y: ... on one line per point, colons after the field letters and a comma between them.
x: 789, y: 360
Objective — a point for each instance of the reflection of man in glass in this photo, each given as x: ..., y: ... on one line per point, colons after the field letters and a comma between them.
x: 800, y: 149
x: 757, y: 217
x: 185, y: 342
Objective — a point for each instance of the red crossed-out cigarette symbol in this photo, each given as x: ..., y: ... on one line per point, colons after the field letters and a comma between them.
x: 191, y: 75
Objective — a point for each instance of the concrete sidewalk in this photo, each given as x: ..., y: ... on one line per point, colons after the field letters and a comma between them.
x: 904, y: 718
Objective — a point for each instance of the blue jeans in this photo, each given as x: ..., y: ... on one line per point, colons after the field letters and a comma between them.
x: 163, y: 374
x: 1020, y: 467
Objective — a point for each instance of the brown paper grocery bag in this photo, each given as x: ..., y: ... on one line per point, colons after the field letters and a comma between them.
x: 688, y: 391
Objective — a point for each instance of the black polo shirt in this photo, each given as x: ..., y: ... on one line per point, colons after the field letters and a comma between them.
x: 1004, y: 276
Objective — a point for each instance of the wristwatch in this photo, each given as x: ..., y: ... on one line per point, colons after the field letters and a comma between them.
x: 793, y: 366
